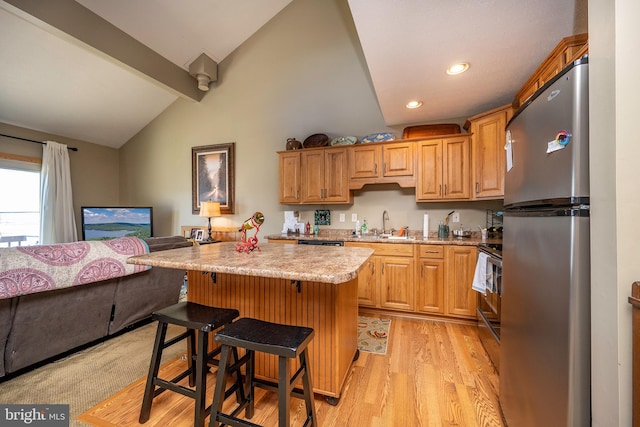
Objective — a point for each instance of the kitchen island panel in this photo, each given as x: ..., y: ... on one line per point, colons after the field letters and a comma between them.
x: 330, y: 309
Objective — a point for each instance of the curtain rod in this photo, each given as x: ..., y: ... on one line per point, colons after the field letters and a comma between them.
x: 33, y: 140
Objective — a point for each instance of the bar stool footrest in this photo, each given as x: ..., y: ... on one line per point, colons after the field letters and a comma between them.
x: 236, y: 422
x: 273, y: 386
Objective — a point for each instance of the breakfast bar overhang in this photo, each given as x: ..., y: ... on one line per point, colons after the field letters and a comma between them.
x: 313, y: 286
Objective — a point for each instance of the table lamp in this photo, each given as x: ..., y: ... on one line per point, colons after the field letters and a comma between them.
x: 209, y: 210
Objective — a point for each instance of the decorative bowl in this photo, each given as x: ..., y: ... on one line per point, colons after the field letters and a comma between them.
x: 378, y: 137
x: 343, y: 140
x: 316, y: 140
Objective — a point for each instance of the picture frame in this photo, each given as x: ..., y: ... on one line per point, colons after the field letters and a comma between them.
x: 322, y: 217
x: 199, y: 235
x: 193, y: 233
x: 213, y: 176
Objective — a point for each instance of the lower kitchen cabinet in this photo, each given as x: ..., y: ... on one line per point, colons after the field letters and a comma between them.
x: 387, y: 281
x: 367, y: 295
x: 460, y: 299
x: 396, y: 283
x: 419, y: 278
x: 430, y: 283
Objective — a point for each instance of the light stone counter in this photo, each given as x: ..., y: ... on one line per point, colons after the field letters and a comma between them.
x: 414, y: 239
x: 327, y: 264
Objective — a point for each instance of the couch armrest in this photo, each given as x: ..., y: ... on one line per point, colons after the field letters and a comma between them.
x: 164, y: 243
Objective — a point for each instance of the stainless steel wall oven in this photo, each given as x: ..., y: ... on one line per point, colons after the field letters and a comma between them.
x: 489, y: 304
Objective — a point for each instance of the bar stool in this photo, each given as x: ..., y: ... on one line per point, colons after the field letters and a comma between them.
x: 194, y: 317
x: 287, y: 342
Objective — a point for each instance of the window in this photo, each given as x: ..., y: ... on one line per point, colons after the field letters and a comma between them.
x: 19, y: 203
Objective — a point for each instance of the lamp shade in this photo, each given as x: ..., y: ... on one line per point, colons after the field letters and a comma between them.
x: 209, y: 209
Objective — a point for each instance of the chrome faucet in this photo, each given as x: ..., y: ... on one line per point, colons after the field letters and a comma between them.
x: 385, y: 218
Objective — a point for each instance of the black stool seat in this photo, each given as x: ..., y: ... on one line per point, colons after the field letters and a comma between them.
x: 266, y: 337
x: 194, y: 317
x: 285, y: 341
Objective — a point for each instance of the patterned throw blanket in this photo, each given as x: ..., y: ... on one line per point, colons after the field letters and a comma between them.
x: 30, y: 269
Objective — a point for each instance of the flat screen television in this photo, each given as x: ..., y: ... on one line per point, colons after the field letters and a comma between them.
x: 106, y: 222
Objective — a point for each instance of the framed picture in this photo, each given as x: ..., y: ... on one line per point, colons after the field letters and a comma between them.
x: 194, y: 232
x: 322, y: 217
x: 199, y: 235
x: 213, y: 176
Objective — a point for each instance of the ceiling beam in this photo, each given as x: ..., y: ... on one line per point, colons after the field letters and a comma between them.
x: 72, y: 19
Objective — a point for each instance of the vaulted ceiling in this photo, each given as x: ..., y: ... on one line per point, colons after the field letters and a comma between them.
x: 57, y: 76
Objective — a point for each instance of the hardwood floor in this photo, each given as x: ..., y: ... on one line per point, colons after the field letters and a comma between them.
x: 434, y: 374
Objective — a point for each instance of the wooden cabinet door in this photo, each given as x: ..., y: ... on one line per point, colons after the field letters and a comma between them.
x: 398, y: 159
x: 460, y: 267
x: 289, y: 177
x: 367, y: 295
x: 364, y: 161
x: 551, y: 69
x: 336, y: 185
x: 396, y: 283
x: 430, y: 292
x: 489, y: 155
x: 429, y: 180
x: 456, y: 168
x: 430, y: 282
x: 312, y: 171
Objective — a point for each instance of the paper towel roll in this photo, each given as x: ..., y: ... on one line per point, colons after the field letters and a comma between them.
x: 425, y: 226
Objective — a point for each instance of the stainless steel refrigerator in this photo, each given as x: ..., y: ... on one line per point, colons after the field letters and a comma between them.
x: 545, y: 340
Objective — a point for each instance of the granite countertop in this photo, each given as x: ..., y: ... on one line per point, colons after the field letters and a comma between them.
x: 414, y: 238
x: 327, y: 264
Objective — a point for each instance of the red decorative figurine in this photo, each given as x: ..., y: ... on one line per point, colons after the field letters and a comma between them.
x: 248, y: 245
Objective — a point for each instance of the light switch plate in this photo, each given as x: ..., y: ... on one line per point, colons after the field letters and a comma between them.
x: 455, y: 217
x: 341, y: 217
x: 354, y: 217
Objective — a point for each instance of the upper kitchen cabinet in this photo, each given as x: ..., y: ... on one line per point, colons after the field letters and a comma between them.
x: 487, y: 152
x: 324, y: 177
x: 381, y: 163
x: 289, y: 177
x: 443, y: 169
x: 568, y: 50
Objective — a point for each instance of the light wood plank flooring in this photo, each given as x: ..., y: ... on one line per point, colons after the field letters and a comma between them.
x: 434, y: 374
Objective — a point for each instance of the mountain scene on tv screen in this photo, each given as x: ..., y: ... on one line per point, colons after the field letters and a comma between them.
x: 114, y: 230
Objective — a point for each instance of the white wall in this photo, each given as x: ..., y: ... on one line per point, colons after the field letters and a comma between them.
x: 614, y: 152
x: 302, y: 73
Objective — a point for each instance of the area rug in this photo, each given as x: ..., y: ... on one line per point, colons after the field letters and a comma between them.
x: 373, y: 334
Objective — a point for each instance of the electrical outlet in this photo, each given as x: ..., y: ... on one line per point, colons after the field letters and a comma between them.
x: 341, y: 217
x: 455, y: 217
x: 354, y: 217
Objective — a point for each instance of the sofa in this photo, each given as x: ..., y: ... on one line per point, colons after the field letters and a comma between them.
x: 45, y: 324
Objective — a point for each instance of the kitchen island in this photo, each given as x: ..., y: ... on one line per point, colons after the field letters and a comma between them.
x: 313, y: 286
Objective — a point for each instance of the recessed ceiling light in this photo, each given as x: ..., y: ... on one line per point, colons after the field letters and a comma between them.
x: 414, y: 104
x: 457, y: 68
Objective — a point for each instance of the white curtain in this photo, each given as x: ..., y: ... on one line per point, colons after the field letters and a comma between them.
x: 57, y: 221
